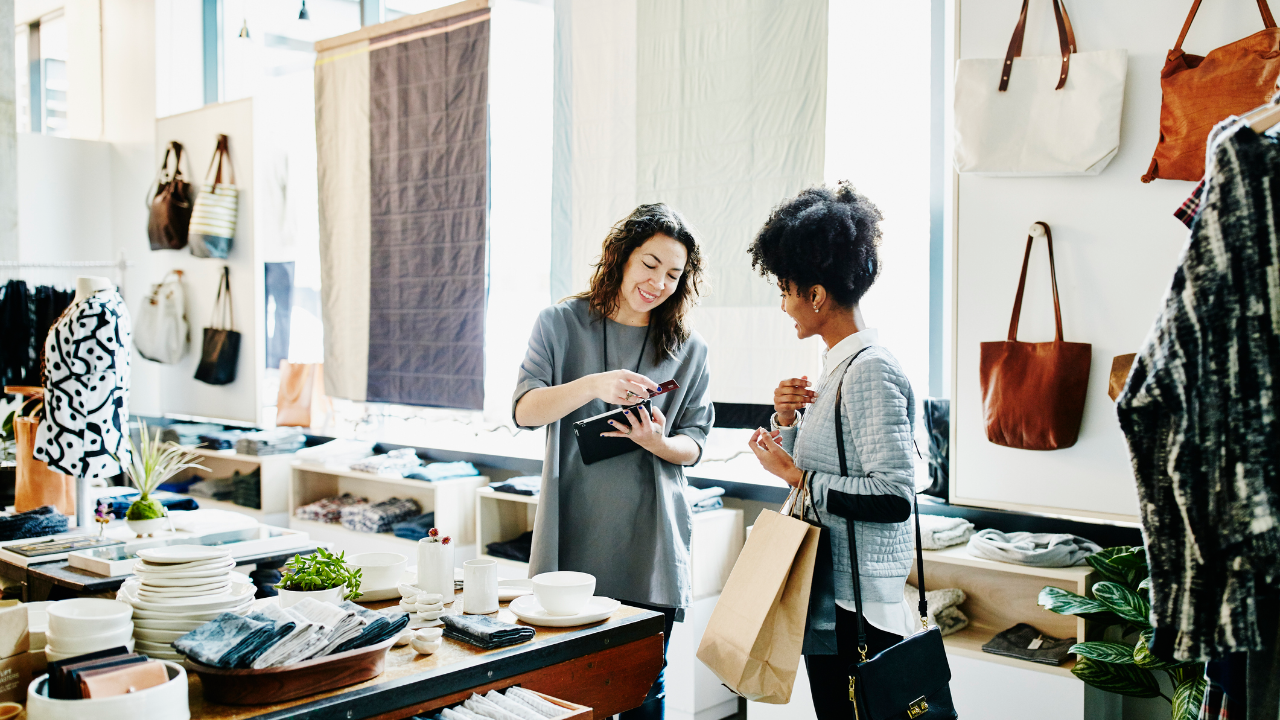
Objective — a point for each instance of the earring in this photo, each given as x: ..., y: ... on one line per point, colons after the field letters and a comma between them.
x: 815, y: 308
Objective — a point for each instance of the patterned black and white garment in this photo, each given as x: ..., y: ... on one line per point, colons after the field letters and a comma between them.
x: 87, y: 389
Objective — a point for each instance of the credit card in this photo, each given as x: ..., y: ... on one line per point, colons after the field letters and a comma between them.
x: 665, y: 387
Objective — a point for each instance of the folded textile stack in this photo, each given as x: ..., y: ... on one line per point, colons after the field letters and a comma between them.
x: 119, y: 504
x: 280, y: 441
x: 220, y: 439
x: 379, y: 517
x: 247, y: 489
x: 523, y: 485
x: 484, y: 632
x: 1027, y: 643
x: 938, y: 531
x: 414, y: 528
x: 435, y: 471
x: 703, y: 499
x: 187, y: 433
x: 394, y: 464
x: 42, y: 521
x: 328, y: 510
x: 377, y: 627
x: 519, y: 549
x: 338, y: 454
x: 517, y: 703
x: 179, y: 485
x: 305, y: 638
x: 944, y: 607
x: 1034, y: 549
x: 214, y: 488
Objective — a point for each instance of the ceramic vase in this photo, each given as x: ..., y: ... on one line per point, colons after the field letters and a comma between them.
x: 480, y: 586
x: 435, y: 568
x: 147, y: 527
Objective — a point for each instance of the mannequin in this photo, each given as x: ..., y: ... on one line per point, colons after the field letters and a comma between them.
x: 89, y: 284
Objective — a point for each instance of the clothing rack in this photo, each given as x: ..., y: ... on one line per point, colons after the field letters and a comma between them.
x: 121, y: 265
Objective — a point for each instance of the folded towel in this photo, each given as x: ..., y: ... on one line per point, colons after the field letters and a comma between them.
x: 485, y: 707
x: 279, y: 441
x: 220, y: 439
x: 414, y: 528
x: 379, y: 517
x: 1027, y: 643
x: 714, y: 503
x: 338, y: 454
x: 328, y: 510
x: 943, y: 607
x: 484, y: 632
x: 214, y: 488
x: 518, y: 549
x: 443, y: 471
x: 1035, y: 549
x: 938, y: 531
x: 511, y: 706
x: 523, y: 485
x: 534, y: 702
x: 395, y: 463
x: 696, y: 495
x: 949, y: 620
x: 215, y: 643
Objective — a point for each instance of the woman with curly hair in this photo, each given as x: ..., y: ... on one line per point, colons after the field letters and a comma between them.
x: 623, y: 519
x: 821, y: 247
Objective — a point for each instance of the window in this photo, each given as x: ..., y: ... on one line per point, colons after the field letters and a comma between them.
x: 41, y: 83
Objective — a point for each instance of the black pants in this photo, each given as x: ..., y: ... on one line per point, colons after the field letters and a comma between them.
x: 829, y: 675
x: 654, y: 706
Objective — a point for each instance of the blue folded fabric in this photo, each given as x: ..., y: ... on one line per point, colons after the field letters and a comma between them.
x: 443, y: 471
x: 485, y: 632
x: 243, y: 655
x: 414, y: 528
x: 714, y: 503
x: 120, y: 503
x: 215, y: 643
x: 378, y: 627
x: 523, y: 485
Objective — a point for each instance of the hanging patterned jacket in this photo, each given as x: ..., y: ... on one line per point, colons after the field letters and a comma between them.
x: 1199, y: 413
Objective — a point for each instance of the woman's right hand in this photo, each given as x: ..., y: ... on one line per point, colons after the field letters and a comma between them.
x: 621, y: 387
x: 792, y: 394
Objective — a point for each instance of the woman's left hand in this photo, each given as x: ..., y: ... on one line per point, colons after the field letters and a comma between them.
x: 774, y: 459
x: 643, y: 429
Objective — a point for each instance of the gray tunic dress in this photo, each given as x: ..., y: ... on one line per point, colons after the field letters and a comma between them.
x: 625, y: 519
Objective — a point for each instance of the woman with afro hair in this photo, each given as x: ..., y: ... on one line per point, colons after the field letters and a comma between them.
x: 821, y: 248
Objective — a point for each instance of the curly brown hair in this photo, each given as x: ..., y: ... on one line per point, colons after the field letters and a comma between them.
x: 668, y: 322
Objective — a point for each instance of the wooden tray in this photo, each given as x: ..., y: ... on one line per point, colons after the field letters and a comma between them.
x: 573, y: 711
x: 274, y: 685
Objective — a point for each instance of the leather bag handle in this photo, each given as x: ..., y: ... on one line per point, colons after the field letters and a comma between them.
x: 1267, y: 20
x: 1022, y: 283
x: 223, y: 302
x: 220, y: 153
x: 1066, y: 42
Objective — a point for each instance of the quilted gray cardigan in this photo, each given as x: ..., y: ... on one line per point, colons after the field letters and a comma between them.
x: 879, y: 414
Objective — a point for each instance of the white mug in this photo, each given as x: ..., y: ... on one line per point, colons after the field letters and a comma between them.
x: 480, y: 586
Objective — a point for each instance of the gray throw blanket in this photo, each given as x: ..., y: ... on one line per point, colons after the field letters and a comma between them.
x: 1035, y: 549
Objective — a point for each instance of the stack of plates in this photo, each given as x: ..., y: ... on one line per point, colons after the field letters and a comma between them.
x: 84, y: 625
x: 178, y: 588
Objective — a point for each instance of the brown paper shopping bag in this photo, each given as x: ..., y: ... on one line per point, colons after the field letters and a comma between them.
x: 753, y: 640
x: 37, y: 485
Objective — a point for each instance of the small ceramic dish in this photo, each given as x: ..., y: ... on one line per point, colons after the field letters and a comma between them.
x: 529, y: 610
x: 87, y: 616
x: 182, y: 554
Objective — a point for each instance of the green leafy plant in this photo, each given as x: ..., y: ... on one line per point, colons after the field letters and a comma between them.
x: 1121, y: 662
x: 320, y: 571
x: 150, y: 465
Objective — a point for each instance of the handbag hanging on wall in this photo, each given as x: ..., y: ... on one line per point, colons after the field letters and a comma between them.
x: 170, y: 204
x: 213, y: 221
x: 1033, y: 393
x: 221, y: 341
x: 1043, y: 115
x: 160, y: 329
x: 1199, y: 92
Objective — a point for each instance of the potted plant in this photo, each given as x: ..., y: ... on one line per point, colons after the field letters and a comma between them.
x: 322, y: 575
x: 1121, y: 662
x: 149, y: 466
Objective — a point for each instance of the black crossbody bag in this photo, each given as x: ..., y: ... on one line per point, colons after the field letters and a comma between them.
x: 909, y: 681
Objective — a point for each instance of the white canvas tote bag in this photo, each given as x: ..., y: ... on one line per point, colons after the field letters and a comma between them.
x: 1045, y: 115
x: 213, y: 219
x: 160, y: 329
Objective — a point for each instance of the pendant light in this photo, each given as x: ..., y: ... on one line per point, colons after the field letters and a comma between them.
x: 244, y: 29
x: 303, y: 14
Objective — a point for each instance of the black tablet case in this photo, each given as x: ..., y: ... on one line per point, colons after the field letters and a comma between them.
x: 594, y: 448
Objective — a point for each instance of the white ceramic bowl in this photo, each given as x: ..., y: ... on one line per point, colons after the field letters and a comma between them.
x: 288, y: 598
x: 378, y: 570
x: 87, y: 616
x: 89, y: 643
x: 564, y: 592
x: 52, y: 654
x: 163, y: 702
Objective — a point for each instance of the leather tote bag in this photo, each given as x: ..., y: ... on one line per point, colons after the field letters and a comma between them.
x: 301, y: 401
x: 169, y: 204
x: 1033, y: 393
x: 1042, y: 115
x: 1199, y: 92
x: 221, y: 342
x: 213, y: 221
x: 37, y: 485
x: 160, y: 329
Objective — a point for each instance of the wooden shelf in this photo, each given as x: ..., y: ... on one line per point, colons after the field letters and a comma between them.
x: 969, y: 641
x: 343, y: 538
x: 959, y: 555
x: 489, y: 492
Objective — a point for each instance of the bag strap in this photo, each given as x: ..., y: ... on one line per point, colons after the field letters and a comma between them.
x: 221, y: 153
x: 1066, y: 42
x: 1037, y: 229
x: 223, y: 302
x: 1268, y: 20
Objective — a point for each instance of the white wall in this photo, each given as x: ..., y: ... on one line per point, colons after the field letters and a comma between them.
x: 8, y: 138
x: 64, y: 205
x: 1116, y: 244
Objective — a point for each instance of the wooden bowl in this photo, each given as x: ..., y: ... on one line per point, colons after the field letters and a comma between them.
x: 278, y: 684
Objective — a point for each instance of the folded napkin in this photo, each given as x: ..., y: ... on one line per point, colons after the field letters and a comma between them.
x: 395, y: 463
x: 305, y: 633
x: 443, y: 471
x: 244, y: 654
x: 523, y: 485
x: 1027, y: 643
x: 520, y: 711
x: 377, y: 627
x: 485, y: 707
x: 535, y: 703
x: 1035, y: 549
x: 484, y: 632
x: 938, y: 531
x: 414, y: 528
x: 340, y: 623
x: 216, y: 642
x: 944, y: 610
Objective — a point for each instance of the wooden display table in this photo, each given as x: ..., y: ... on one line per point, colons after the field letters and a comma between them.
x: 608, y: 666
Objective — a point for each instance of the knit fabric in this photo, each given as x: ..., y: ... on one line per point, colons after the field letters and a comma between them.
x: 379, y: 517
x: 1199, y: 413
x: 328, y: 510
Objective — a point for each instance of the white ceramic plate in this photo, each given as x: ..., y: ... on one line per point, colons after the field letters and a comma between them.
x: 378, y: 594
x: 239, y: 595
x: 184, y: 580
x: 164, y: 597
x: 215, y: 569
x: 184, y: 626
x: 176, y: 554
x: 144, y: 645
x: 509, y: 590
x: 213, y: 587
x: 52, y: 653
x: 163, y: 637
x: 598, y: 608
x: 181, y: 616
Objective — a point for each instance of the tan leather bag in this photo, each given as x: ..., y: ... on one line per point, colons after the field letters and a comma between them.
x: 1200, y: 92
x: 36, y: 484
x: 301, y: 401
x: 1033, y: 393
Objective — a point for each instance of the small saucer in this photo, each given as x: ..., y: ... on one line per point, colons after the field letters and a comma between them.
x: 392, y: 593
x: 529, y: 610
x: 511, y: 589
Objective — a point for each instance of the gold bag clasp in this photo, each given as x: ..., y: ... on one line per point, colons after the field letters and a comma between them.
x: 917, y: 708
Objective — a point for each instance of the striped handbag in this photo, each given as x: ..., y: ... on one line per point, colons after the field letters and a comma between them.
x: 213, y: 220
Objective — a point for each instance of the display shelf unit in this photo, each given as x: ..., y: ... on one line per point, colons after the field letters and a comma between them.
x: 1001, y: 595
x: 274, y: 490
x: 503, y: 516
x: 453, y: 501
